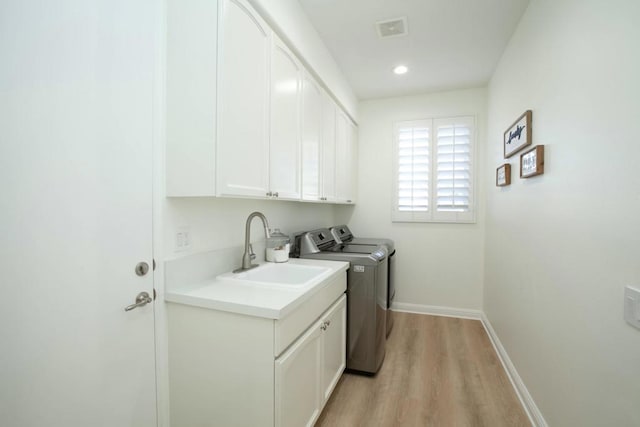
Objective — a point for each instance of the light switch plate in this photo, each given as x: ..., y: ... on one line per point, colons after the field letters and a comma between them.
x: 183, y: 239
x: 632, y: 306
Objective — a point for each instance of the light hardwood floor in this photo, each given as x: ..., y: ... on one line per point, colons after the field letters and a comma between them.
x: 438, y: 371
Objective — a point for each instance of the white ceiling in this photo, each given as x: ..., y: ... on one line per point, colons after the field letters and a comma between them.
x: 451, y: 43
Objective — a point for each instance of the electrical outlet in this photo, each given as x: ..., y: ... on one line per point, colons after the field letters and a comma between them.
x: 183, y: 239
x: 632, y: 306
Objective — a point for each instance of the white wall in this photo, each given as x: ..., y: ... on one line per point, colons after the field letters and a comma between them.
x: 561, y: 247
x: 219, y: 223
x: 289, y: 19
x: 438, y: 264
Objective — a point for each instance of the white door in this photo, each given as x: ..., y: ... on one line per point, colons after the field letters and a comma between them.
x: 284, y: 145
x: 243, y: 106
x: 76, y: 116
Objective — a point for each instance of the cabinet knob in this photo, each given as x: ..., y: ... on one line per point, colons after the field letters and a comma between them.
x: 325, y: 325
x: 276, y: 194
x: 269, y: 194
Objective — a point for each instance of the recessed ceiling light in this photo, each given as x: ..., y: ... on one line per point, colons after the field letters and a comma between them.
x: 400, y: 69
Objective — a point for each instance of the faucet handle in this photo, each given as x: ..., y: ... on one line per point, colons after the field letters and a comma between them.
x: 251, y: 252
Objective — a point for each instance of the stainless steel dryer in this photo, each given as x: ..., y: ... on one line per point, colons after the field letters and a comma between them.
x: 342, y: 234
x: 366, y: 295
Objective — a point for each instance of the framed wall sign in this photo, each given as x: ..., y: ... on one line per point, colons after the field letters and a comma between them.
x: 532, y: 162
x: 503, y: 175
x: 518, y: 135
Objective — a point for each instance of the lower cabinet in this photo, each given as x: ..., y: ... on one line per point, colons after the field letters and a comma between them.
x: 238, y: 370
x: 306, y: 374
x: 334, y: 348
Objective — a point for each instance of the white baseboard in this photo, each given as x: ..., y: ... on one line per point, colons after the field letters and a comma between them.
x: 435, y: 310
x: 530, y: 407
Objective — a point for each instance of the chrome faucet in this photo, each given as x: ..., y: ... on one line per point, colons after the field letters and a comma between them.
x: 248, y: 250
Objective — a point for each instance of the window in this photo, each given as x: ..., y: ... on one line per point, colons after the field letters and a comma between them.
x: 433, y: 170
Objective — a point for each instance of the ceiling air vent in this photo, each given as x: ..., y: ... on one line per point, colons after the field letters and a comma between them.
x: 392, y: 27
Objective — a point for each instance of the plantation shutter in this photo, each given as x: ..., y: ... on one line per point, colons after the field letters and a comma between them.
x: 453, y: 169
x: 433, y: 170
x: 412, y: 170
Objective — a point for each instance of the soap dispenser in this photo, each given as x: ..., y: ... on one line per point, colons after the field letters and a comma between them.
x: 277, y: 246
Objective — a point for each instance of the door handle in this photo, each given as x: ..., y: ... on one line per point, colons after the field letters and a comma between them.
x: 142, y: 298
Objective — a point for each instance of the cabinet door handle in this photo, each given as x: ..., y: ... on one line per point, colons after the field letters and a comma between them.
x: 275, y: 194
x: 269, y: 194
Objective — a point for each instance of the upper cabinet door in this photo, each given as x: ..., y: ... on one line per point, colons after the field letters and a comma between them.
x: 286, y: 102
x: 353, y: 155
x: 243, y: 103
x: 311, y: 137
x: 328, y: 162
x: 343, y: 159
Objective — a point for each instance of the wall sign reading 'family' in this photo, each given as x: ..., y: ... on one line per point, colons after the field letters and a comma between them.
x: 518, y: 135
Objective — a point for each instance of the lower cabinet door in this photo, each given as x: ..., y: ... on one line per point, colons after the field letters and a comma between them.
x: 297, y: 381
x: 334, y: 348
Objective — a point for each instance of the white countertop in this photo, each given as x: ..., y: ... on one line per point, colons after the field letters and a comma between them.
x: 273, y: 302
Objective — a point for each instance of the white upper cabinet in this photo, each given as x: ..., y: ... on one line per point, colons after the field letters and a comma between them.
x: 243, y: 103
x: 329, y: 111
x: 192, y: 38
x: 286, y: 101
x: 324, y: 126
x: 244, y: 117
x: 353, y: 157
x: 343, y: 159
x: 312, y: 104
